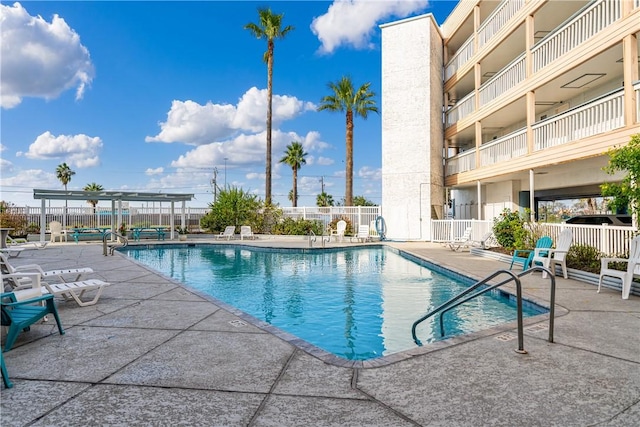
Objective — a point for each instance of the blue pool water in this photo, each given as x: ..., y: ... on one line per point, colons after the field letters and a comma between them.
x: 357, y: 303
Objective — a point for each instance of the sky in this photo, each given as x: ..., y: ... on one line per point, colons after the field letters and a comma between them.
x: 165, y: 96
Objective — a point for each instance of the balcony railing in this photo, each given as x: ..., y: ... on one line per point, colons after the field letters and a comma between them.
x: 461, y: 163
x: 503, y: 13
x: 599, y: 116
x: 507, y: 78
x: 637, y: 87
x: 462, y: 109
x: 460, y: 58
x: 582, y: 26
x: 505, y: 148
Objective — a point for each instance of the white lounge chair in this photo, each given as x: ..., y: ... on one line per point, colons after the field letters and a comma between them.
x: 13, y: 243
x: 69, y: 291
x: 12, y: 251
x: 626, y: 276
x: 550, y: 257
x: 245, y: 232
x: 363, y: 234
x: 7, y: 268
x: 338, y: 233
x: 56, y: 231
x: 228, y: 233
x: 461, y: 242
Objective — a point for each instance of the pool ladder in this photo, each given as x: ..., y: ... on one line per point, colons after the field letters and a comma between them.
x: 313, y: 238
x: 458, y: 299
x: 109, y: 248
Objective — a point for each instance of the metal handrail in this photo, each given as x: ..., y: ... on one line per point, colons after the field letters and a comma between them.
x: 456, y: 301
x: 112, y: 248
x: 312, y: 238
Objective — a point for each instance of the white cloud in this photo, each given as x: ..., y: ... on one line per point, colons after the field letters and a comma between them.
x: 353, y: 22
x: 156, y: 171
x: 369, y: 173
x: 77, y: 150
x: 324, y: 161
x: 2, y: 147
x: 39, y: 59
x: 5, y: 166
x: 194, y: 124
x: 18, y: 189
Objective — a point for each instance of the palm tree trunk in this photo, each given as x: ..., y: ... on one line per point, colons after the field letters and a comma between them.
x: 267, y: 192
x: 348, y: 197
x: 295, y: 187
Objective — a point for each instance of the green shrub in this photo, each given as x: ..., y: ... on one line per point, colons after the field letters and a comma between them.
x: 584, y: 257
x: 297, y: 227
x: 235, y: 207
x: 509, y: 230
x: 12, y: 216
x: 348, y: 231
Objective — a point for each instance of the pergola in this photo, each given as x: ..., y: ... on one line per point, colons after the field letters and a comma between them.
x: 116, y: 198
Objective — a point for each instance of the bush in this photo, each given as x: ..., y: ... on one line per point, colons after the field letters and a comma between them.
x: 347, y: 231
x: 12, y: 216
x: 297, y: 227
x: 584, y: 257
x: 509, y: 230
x: 235, y: 207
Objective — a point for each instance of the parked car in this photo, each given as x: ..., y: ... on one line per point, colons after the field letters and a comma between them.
x: 617, y: 220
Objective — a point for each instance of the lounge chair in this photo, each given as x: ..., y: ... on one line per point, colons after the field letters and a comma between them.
x: 13, y: 243
x: 363, y: 234
x: 70, y: 291
x: 626, y: 276
x: 461, y: 242
x: 338, y: 233
x: 548, y: 258
x: 245, y: 232
x: 7, y: 268
x: 20, y: 315
x: 56, y: 231
x: 12, y: 251
x: 488, y: 240
x: 228, y: 233
x: 525, y: 256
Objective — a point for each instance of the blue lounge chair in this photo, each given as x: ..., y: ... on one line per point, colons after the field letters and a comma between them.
x: 525, y: 256
x: 20, y: 315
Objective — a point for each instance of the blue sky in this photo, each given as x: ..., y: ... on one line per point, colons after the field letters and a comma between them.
x: 152, y: 96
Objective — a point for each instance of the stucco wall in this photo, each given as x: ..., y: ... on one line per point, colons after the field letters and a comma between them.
x: 412, y: 172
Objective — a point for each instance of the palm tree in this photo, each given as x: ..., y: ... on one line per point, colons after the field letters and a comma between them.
x: 294, y: 157
x: 360, y: 103
x: 324, y: 200
x: 270, y: 29
x: 93, y: 187
x: 64, y: 174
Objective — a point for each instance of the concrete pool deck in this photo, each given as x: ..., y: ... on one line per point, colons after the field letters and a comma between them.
x: 152, y: 352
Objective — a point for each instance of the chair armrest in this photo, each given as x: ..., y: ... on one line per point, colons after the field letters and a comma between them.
x: 29, y: 267
x: 518, y: 251
x: 23, y: 302
x: 537, y: 252
x: 604, y: 262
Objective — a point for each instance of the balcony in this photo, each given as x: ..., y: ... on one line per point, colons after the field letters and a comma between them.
x: 600, y: 115
x: 498, y: 19
x: 460, y: 58
x: 578, y: 29
x: 507, y: 78
x: 462, y: 109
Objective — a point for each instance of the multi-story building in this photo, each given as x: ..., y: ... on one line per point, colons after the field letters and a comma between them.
x: 504, y: 105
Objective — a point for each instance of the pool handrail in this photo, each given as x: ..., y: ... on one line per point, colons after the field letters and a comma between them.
x: 453, y: 302
x: 112, y: 247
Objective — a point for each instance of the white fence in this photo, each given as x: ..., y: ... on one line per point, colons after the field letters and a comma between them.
x: 357, y: 215
x: 609, y: 240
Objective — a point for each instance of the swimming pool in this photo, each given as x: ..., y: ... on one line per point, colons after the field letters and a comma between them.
x: 357, y: 303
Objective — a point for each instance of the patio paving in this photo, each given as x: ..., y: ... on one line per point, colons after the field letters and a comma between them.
x: 154, y: 352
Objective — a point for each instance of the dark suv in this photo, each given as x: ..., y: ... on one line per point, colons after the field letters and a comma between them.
x: 619, y: 220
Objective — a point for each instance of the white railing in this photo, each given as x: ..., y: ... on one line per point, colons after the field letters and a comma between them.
x: 504, y: 148
x: 607, y: 239
x: 462, y: 109
x: 506, y: 79
x: 460, y: 58
x: 462, y: 162
x: 582, y: 26
x: 599, y: 116
x: 445, y: 230
x: 498, y: 19
x: 365, y: 215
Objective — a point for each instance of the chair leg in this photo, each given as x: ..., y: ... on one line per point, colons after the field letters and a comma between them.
x: 52, y: 309
x: 5, y: 374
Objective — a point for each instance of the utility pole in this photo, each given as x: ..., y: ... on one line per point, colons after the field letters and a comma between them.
x: 322, y: 183
x: 214, y: 184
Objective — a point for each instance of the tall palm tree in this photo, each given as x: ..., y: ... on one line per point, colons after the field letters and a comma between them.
x: 269, y: 28
x: 294, y: 156
x: 354, y: 102
x: 64, y: 174
x: 93, y: 187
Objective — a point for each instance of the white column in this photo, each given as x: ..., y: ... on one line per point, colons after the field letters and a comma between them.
x: 479, y: 187
x: 172, y: 219
x: 531, y: 195
x: 43, y: 219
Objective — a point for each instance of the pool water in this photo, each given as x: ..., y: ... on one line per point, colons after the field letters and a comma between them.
x: 357, y: 303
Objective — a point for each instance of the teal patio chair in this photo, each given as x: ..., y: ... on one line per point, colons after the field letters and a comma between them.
x: 20, y: 315
x: 525, y: 256
x: 5, y: 375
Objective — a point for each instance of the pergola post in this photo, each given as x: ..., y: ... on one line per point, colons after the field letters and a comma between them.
x: 43, y: 219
